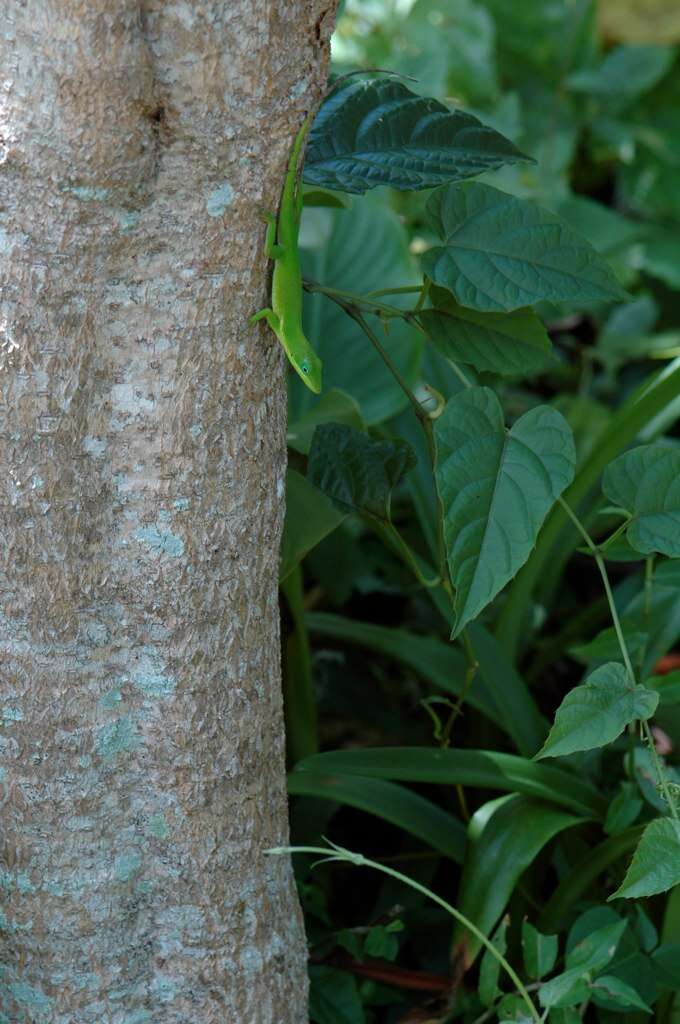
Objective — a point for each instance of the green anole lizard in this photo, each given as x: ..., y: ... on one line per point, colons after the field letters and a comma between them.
x: 281, y: 245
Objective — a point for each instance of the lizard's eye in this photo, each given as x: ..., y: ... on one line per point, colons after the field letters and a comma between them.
x: 304, y: 367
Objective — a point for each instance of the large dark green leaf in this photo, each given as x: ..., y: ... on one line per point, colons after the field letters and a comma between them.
x: 396, y: 804
x: 597, y: 712
x: 486, y: 769
x: 333, y: 996
x: 666, y: 961
x: 380, y: 133
x: 496, y: 489
x: 509, y: 690
x: 363, y: 248
x: 357, y: 473
x: 512, y: 344
x: 504, y: 837
x: 310, y: 516
x: 646, y: 482
x: 502, y: 253
x: 444, y: 667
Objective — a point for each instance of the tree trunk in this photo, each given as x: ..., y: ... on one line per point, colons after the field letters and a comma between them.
x: 142, y: 459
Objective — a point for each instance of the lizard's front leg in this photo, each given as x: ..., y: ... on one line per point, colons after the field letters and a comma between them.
x: 271, y: 247
x: 270, y: 316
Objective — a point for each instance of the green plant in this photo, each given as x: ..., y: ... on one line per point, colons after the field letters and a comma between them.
x: 491, y: 508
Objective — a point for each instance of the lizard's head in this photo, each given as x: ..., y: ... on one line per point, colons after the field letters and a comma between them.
x: 308, y: 367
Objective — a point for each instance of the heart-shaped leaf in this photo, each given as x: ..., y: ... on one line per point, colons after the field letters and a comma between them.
x: 380, y: 133
x: 646, y: 482
x: 501, y: 253
x: 597, y: 712
x: 496, y: 489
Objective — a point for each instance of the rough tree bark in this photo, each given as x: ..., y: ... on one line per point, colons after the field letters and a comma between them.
x: 141, y: 463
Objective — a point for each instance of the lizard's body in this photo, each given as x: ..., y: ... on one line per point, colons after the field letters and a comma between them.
x: 281, y: 245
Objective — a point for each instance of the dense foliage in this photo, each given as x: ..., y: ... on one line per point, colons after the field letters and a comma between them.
x: 481, y: 561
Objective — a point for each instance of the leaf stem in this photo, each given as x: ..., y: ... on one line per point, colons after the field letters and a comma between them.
x: 408, y: 289
x: 424, y: 420
x: 595, y: 551
x: 391, y: 536
x: 337, y: 853
x: 357, y: 301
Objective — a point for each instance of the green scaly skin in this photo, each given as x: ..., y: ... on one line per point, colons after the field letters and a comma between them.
x: 281, y: 245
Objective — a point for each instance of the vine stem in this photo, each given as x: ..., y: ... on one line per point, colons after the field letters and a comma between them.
x: 350, y: 299
x: 599, y: 561
x: 338, y: 853
x: 391, y: 536
x: 346, y: 302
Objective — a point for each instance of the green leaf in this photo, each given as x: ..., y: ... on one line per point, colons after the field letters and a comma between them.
x: 566, y: 989
x: 496, y: 489
x: 666, y: 963
x: 450, y: 50
x: 564, y: 1015
x: 596, y: 713
x: 485, y: 769
x: 642, y: 768
x: 539, y: 951
x: 333, y: 406
x: 625, y: 72
x: 623, y: 810
x: 513, y: 1010
x: 502, y: 253
x: 593, y: 953
x: 380, y: 133
x: 668, y: 688
x: 333, y: 996
x: 489, y: 969
x: 511, y: 344
x: 324, y: 197
x: 508, y: 689
x: 645, y: 481
x: 645, y: 930
x: 310, y: 517
x: 365, y: 248
x: 357, y: 473
x: 596, y: 949
x: 655, y: 866
x: 605, y: 646
x: 660, y: 257
x: 382, y: 942
x: 649, y: 408
x: 352, y: 942
x: 611, y: 992
x: 396, y: 804
x: 504, y: 838
x: 445, y: 668
x: 586, y: 870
